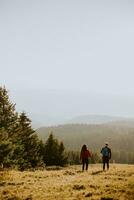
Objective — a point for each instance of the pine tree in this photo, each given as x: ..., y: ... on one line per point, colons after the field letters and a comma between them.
x: 51, y: 151
x: 8, y: 115
x: 8, y: 118
x: 5, y: 149
x: 54, y: 152
x: 19, y: 145
x: 27, y: 152
x: 62, y: 157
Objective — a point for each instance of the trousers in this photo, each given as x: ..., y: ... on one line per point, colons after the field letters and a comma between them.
x: 84, y: 163
x: 105, y: 160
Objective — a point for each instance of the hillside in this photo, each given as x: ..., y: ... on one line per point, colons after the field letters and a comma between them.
x: 120, y: 138
x: 122, y: 123
x: 74, y: 135
x: 69, y: 184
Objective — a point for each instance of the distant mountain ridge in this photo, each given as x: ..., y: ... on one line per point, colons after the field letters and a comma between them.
x: 96, y: 119
x: 90, y: 120
x: 53, y: 107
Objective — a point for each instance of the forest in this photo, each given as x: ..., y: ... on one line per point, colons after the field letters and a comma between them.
x: 22, y: 147
x: 119, y: 137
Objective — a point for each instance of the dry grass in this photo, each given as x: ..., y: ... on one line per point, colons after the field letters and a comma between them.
x: 69, y: 184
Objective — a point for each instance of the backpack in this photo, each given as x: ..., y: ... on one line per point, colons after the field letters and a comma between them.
x: 105, y: 151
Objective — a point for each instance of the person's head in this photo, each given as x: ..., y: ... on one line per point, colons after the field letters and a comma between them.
x: 106, y: 144
x: 84, y: 147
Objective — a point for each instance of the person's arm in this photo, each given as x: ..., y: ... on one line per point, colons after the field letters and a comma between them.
x: 89, y: 154
x: 110, y: 154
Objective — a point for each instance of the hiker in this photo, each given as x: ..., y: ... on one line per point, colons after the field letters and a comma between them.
x: 106, y: 155
x: 84, y: 155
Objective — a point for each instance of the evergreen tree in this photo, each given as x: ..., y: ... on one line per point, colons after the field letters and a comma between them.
x: 19, y: 145
x: 8, y: 118
x: 27, y: 151
x: 54, y: 152
x: 62, y: 157
x: 51, y: 151
x: 41, y: 148
x: 5, y: 149
x: 8, y: 115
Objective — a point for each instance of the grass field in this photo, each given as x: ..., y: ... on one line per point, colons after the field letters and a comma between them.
x: 69, y: 183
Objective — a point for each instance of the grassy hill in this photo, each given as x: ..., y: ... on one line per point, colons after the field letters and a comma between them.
x: 69, y: 184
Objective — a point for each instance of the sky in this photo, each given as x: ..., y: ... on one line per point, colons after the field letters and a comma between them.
x: 73, y: 45
x: 68, y: 45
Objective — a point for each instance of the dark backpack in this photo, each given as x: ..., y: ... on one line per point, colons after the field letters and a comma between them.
x: 105, y: 151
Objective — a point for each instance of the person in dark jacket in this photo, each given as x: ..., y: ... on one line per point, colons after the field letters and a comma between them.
x: 106, y: 155
x: 84, y: 155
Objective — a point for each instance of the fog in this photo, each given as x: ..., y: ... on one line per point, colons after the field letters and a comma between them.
x: 80, y: 50
x: 53, y: 107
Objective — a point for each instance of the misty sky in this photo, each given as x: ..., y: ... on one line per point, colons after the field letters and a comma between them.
x: 72, y: 44
x: 65, y: 58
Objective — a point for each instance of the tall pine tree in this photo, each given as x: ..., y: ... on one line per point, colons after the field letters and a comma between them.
x: 27, y: 152
x: 8, y: 115
x: 54, y: 152
x: 5, y: 149
x: 8, y: 119
x: 19, y: 145
x: 62, y: 156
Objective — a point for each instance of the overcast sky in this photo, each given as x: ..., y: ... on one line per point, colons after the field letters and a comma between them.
x: 72, y: 44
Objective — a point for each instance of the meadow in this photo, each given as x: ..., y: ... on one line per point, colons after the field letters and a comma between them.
x: 69, y: 183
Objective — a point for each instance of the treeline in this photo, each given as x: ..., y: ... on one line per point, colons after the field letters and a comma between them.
x: 20, y: 146
x: 120, y: 139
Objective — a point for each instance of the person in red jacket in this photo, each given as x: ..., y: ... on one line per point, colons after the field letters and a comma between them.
x: 84, y: 155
